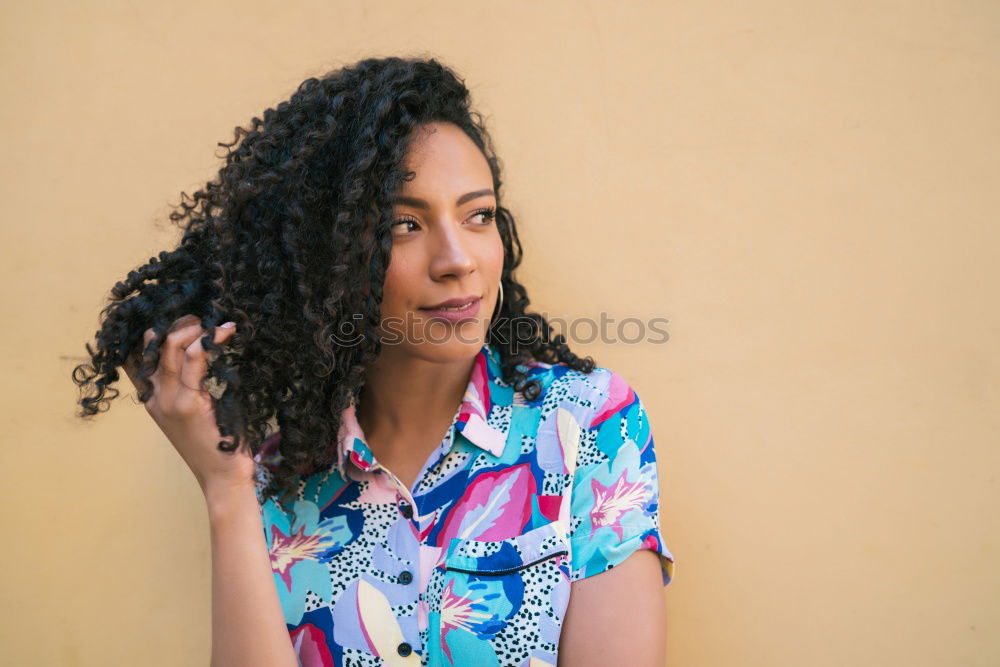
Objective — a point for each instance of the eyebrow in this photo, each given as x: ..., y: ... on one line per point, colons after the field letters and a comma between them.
x: 420, y: 203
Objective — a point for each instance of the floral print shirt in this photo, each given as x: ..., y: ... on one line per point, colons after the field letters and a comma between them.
x: 473, y: 564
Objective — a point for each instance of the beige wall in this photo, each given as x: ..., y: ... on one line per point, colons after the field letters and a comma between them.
x: 807, y: 190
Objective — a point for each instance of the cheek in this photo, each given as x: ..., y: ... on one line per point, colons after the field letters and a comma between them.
x: 494, y: 258
x: 398, y: 277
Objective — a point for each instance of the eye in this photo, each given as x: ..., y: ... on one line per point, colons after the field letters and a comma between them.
x: 488, y: 214
x: 404, y: 221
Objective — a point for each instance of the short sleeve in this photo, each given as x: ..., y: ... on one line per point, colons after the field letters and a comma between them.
x: 615, y: 496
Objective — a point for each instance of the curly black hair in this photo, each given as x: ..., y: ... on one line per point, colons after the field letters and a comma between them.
x: 290, y: 241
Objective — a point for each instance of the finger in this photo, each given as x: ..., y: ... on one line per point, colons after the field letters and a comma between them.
x: 181, y: 334
x: 184, y: 321
x: 196, y: 359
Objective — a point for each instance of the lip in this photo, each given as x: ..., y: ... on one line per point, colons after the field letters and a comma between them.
x: 451, y: 303
x: 455, y: 316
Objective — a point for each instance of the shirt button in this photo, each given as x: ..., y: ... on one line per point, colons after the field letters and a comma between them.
x: 404, y: 649
x: 407, y: 511
x: 405, y: 577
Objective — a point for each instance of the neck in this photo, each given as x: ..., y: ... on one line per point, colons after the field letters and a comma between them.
x: 405, y: 395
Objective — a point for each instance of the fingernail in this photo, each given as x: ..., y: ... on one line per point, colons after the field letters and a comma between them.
x: 229, y: 325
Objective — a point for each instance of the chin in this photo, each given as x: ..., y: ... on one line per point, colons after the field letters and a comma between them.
x: 463, y: 342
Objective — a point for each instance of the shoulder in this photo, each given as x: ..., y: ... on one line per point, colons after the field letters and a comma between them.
x: 601, y: 413
x: 592, y: 398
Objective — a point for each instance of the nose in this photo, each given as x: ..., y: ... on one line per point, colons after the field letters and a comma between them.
x: 451, y: 254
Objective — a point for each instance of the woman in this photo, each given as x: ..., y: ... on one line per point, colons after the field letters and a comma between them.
x: 356, y: 248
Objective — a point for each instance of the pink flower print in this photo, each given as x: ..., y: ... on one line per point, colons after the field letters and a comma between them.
x: 287, y: 550
x: 611, y: 502
x: 457, y: 612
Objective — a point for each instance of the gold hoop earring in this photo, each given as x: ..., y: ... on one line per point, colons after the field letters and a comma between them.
x: 498, y: 307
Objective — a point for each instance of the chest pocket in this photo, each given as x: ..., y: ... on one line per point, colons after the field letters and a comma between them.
x: 501, y: 602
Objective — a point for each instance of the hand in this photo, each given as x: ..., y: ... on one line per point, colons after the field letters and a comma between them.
x: 183, y: 410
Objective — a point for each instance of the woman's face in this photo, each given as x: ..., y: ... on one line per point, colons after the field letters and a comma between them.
x: 446, y: 248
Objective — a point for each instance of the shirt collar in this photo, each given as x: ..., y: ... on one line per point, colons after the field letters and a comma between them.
x: 485, y: 390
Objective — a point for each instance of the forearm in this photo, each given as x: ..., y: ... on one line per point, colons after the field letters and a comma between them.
x: 248, y: 627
